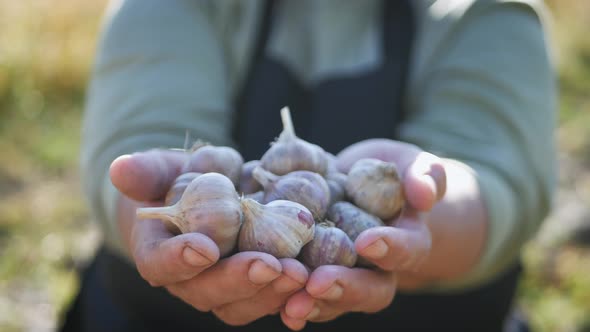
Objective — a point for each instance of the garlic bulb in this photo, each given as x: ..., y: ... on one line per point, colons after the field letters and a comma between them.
x: 280, y: 228
x: 290, y: 153
x: 375, y: 186
x: 257, y: 196
x: 248, y: 184
x: 206, y: 158
x: 178, y: 187
x: 336, y: 182
x: 304, y: 187
x: 353, y: 221
x: 209, y: 205
x: 330, y: 246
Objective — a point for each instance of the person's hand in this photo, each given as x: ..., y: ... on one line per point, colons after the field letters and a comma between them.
x: 238, y: 289
x: 331, y: 290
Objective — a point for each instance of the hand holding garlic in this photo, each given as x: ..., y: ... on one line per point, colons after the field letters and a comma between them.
x: 400, y: 248
x: 188, y: 265
x: 354, y: 225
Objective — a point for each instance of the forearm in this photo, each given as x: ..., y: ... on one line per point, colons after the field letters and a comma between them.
x: 458, y: 226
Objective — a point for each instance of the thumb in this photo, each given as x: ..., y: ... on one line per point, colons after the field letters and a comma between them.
x: 146, y: 176
x: 425, y: 181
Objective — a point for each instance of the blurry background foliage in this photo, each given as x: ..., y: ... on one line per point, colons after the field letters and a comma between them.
x: 46, y: 51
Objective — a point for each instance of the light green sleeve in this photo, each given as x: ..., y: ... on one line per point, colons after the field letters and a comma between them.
x: 488, y: 100
x: 159, y: 72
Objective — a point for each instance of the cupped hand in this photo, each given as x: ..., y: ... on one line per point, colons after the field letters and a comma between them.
x: 238, y: 289
x: 402, y: 246
x: 332, y: 291
x: 405, y: 244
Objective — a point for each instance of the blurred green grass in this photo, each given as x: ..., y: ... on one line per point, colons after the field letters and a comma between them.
x: 46, y: 52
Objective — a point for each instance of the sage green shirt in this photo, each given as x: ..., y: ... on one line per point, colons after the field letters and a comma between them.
x: 481, y: 91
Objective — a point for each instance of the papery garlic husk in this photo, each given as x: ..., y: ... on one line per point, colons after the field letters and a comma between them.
x: 375, y: 186
x: 209, y: 205
x: 248, y: 184
x: 206, y: 158
x: 330, y: 246
x: 280, y: 228
x: 290, y: 153
x: 337, y: 184
x: 352, y: 220
x: 304, y: 187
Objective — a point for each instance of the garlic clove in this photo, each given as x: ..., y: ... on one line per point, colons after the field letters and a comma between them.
x: 290, y: 153
x: 206, y: 158
x: 304, y: 187
x: 209, y: 205
x: 375, y: 186
x: 330, y: 246
x: 248, y: 184
x: 336, y: 182
x: 280, y: 228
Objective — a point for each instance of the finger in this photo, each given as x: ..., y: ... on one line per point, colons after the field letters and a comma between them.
x: 292, y: 323
x: 383, y: 149
x: 146, y: 176
x: 362, y: 290
x: 401, y: 248
x: 232, y: 279
x: 425, y: 181
x: 269, y: 300
x: 301, y: 307
x: 333, y: 290
x: 162, y: 259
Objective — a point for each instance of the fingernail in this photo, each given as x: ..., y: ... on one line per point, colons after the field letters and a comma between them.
x: 376, y: 250
x: 333, y: 293
x: 194, y: 258
x: 315, y: 312
x: 261, y: 273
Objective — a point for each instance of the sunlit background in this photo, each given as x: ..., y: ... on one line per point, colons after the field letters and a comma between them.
x: 46, y: 51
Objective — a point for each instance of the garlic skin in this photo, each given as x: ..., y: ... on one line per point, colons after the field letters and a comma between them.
x: 290, y: 153
x: 206, y: 158
x: 248, y: 184
x: 304, y: 187
x: 330, y: 246
x: 331, y: 162
x: 280, y: 228
x: 209, y: 205
x: 375, y: 186
x: 178, y: 186
x: 337, y: 184
x: 257, y: 196
x: 175, y: 193
x: 351, y: 219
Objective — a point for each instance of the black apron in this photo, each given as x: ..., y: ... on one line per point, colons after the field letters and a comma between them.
x: 334, y: 114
